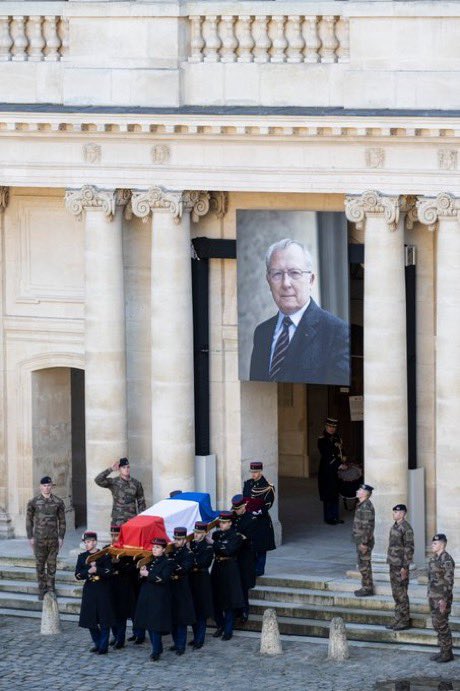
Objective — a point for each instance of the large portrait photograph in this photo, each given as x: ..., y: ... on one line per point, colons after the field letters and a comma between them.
x: 293, y: 299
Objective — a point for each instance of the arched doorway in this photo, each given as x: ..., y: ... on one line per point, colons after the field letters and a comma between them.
x: 58, y: 436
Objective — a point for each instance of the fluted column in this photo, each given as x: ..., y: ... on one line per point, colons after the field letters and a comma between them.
x: 173, y: 415
x: 385, y: 377
x: 105, y: 346
x: 442, y: 214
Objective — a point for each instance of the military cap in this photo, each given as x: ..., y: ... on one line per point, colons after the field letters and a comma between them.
x: 160, y: 541
x: 200, y: 527
x: 123, y: 462
x: 237, y: 501
x: 225, y: 516
x: 368, y: 488
x: 115, y: 528
x: 256, y: 465
x: 181, y: 531
x: 89, y: 535
x: 46, y: 480
x: 174, y: 493
x: 332, y: 421
x: 400, y: 507
x: 439, y: 537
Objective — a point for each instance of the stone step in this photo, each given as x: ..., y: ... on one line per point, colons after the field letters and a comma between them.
x: 329, y: 598
x: 28, y: 602
x: 357, y: 632
x: 27, y: 573
x: 29, y: 562
x: 33, y: 614
x: 69, y: 590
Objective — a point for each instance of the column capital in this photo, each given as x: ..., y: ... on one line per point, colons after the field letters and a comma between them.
x: 90, y: 197
x: 373, y: 204
x: 431, y: 209
x: 196, y: 202
x: 4, y: 197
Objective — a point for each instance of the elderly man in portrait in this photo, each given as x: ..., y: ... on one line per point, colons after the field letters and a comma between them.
x: 302, y: 343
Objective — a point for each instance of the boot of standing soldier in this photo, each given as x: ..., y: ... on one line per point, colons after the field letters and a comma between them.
x: 399, y: 557
x: 441, y: 569
x: 363, y: 537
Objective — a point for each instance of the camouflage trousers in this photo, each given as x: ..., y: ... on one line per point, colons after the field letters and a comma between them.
x: 365, y: 569
x: 399, y: 588
x: 441, y: 625
x: 46, y: 551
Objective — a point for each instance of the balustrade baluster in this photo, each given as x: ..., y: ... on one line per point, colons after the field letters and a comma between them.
x: 295, y: 40
x: 53, y: 42
x: 279, y: 43
x: 212, y: 41
x: 196, y: 40
x: 34, y: 29
x: 342, y: 30
x: 20, y: 41
x: 5, y: 39
x: 245, y: 39
x: 328, y: 40
x: 262, y: 42
x: 229, y: 42
x: 312, y: 40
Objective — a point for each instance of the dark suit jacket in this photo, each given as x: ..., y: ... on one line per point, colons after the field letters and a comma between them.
x: 319, y: 351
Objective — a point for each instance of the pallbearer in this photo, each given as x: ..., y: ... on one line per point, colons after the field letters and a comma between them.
x: 246, y: 525
x: 225, y: 576
x: 441, y: 568
x: 123, y: 591
x: 200, y: 583
x: 183, y: 613
x: 153, y: 610
x: 262, y: 494
x: 96, y: 613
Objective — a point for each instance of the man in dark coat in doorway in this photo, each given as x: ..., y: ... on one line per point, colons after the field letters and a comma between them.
x: 330, y: 449
x: 262, y: 496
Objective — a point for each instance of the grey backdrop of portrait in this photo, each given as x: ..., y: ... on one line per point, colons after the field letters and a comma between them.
x: 324, y: 234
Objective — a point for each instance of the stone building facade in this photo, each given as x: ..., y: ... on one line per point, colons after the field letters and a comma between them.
x: 126, y: 130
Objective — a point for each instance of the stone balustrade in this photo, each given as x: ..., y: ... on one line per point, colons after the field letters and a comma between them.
x: 265, y: 38
x: 33, y: 38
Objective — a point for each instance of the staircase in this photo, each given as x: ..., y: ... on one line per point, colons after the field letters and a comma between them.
x: 304, y: 606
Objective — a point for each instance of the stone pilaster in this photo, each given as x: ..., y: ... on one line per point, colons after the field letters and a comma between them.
x: 385, y: 383
x: 105, y: 349
x: 442, y: 213
x: 173, y: 436
x: 6, y: 530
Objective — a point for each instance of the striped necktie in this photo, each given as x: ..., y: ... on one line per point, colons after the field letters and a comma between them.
x: 281, y: 346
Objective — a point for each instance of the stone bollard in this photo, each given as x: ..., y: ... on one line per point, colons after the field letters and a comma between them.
x: 270, y: 641
x: 51, y: 623
x: 338, y: 644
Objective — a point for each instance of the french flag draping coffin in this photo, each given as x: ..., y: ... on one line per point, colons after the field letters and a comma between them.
x: 160, y: 519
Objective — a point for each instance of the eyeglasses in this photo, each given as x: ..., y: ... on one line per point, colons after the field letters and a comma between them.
x: 294, y: 274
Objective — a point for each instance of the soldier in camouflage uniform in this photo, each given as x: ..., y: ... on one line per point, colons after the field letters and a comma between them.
x: 45, y: 527
x: 399, y: 556
x: 128, y: 494
x: 441, y: 569
x: 363, y: 537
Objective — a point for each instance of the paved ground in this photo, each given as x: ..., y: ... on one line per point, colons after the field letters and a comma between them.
x: 63, y: 663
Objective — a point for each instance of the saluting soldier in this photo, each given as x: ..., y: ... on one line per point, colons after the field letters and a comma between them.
x: 200, y: 583
x: 363, y: 537
x: 399, y: 557
x: 246, y: 525
x: 153, y: 611
x: 183, y: 613
x: 96, y: 613
x: 45, y: 527
x: 441, y: 568
x: 123, y: 591
x: 262, y: 494
x: 127, y: 492
x: 225, y: 576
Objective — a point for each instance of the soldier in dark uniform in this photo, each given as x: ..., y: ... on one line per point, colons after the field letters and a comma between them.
x: 363, y: 537
x: 441, y: 568
x: 262, y: 494
x: 225, y: 576
x: 183, y: 613
x: 246, y: 525
x: 128, y: 494
x: 96, y: 613
x: 331, y: 461
x: 153, y: 610
x: 399, y: 556
x: 200, y: 583
x: 45, y: 527
x: 123, y: 591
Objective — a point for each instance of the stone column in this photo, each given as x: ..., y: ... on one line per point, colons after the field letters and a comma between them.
x: 385, y: 377
x: 173, y: 415
x: 105, y: 349
x: 6, y: 529
x: 443, y: 213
